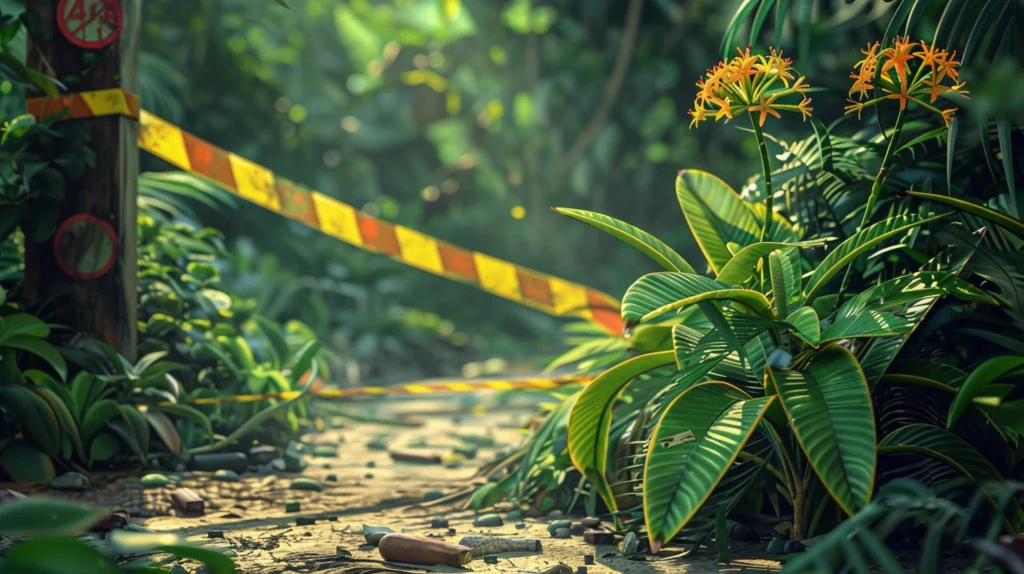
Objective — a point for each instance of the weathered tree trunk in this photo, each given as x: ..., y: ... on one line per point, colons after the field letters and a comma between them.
x: 99, y: 299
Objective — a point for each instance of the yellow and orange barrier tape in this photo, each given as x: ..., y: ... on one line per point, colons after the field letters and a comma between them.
x: 423, y: 388
x: 259, y: 185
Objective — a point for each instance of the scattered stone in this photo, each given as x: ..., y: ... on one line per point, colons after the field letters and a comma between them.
x: 514, y: 516
x: 371, y: 464
x: 226, y: 476
x: 488, y: 521
x: 328, y: 466
x: 415, y: 457
x: 325, y: 451
x: 235, y: 461
x: 581, y: 570
x: 439, y: 523
x: 556, y: 514
x: 215, y: 534
x: 630, y: 544
x: 598, y: 537
x: 451, y: 532
x: 776, y: 546
x: 591, y: 522
x: 331, y: 478
x: 305, y: 521
x: 307, y: 533
x: 186, y: 501
x: 291, y: 506
x: 490, y: 559
x: 561, y: 533
x: 263, y: 454
x: 378, y: 443
x: 588, y: 559
x: 69, y: 481
x: 577, y: 528
x: 332, y: 519
x: 486, y: 545
x: 742, y: 533
x: 373, y: 534
x: 559, y: 569
x: 154, y: 481
x: 408, y: 549
x: 433, y: 494
x: 306, y: 483
x: 558, y: 524
x: 231, y: 515
x: 293, y: 457
x: 368, y: 476
x: 111, y: 521
x: 521, y: 526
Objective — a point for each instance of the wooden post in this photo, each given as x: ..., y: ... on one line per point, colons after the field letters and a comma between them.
x: 96, y: 299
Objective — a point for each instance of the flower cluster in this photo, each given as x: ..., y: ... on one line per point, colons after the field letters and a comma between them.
x: 745, y: 84
x: 906, y: 75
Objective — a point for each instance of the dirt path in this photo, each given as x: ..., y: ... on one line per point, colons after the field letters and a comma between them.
x: 362, y: 485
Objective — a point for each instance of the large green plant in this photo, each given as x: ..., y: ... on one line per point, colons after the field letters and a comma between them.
x: 778, y: 360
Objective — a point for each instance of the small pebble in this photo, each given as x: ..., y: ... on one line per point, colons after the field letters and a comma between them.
x: 558, y: 524
x: 630, y: 544
x: 591, y: 522
x: 581, y: 570
x: 306, y: 483
x: 588, y: 559
x: 371, y: 464
x: 488, y: 520
x: 561, y: 533
x: 226, y: 476
x: 577, y: 528
x: 331, y: 478
x: 451, y: 532
x: 520, y: 526
x: 514, y: 516
x: 154, y: 480
x: 291, y: 506
x: 305, y: 521
x: 433, y: 495
x: 439, y: 523
x: 373, y: 539
x: 368, y: 476
x: 556, y: 514
x: 490, y: 559
x: 215, y: 534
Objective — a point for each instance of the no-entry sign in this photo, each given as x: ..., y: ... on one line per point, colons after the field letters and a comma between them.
x: 91, y: 24
x: 85, y: 246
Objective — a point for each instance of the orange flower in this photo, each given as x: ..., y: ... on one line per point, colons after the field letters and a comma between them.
x: 748, y: 83
x: 919, y: 76
x: 805, y: 108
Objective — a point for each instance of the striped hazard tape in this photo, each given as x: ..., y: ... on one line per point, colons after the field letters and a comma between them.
x: 426, y: 387
x: 259, y: 185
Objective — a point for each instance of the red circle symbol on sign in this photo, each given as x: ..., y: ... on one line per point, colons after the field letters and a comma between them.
x: 85, y: 246
x: 90, y: 24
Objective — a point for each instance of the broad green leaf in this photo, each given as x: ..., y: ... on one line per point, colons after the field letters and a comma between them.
x: 96, y: 417
x: 137, y: 423
x: 942, y: 445
x: 743, y: 265
x: 657, y: 293
x: 591, y: 417
x: 41, y: 349
x: 51, y: 555
x: 829, y: 408
x: 189, y: 413
x: 1006, y: 151
x: 866, y: 325
x: 698, y: 437
x: 860, y: 242
x: 807, y: 324
x: 39, y: 422
x: 165, y: 429
x: 718, y: 216
x: 980, y: 378
x: 637, y: 238
x: 23, y: 462
x: 22, y: 324
x: 992, y: 216
x: 42, y: 516
x: 64, y: 417
x: 783, y: 279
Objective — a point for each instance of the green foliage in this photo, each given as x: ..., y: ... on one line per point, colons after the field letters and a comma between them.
x: 54, y: 539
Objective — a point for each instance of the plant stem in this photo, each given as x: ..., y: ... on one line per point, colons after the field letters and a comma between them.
x: 883, y: 172
x: 766, y: 167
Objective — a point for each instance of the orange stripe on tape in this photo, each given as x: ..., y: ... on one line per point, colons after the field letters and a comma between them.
x: 92, y: 104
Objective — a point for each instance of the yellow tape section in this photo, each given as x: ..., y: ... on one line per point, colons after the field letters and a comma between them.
x: 497, y: 276
x: 419, y: 250
x: 337, y: 219
x: 106, y: 102
x: 255, y: 182
x: 163, y: 140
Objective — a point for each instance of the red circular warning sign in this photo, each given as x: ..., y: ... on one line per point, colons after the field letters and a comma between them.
x: 90, y: 24
x: 85, y: 246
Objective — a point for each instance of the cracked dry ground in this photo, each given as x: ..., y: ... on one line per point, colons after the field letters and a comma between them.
x: 363, y: 485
